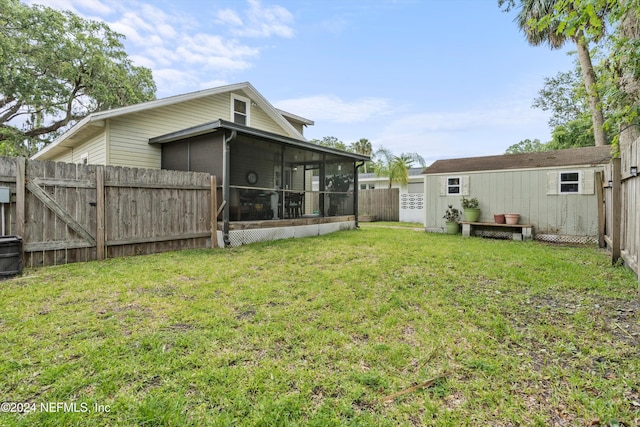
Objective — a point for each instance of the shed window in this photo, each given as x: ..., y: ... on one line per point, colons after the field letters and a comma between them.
x: 569, y: 182
x: 454, y: 185
x: 240, y: 110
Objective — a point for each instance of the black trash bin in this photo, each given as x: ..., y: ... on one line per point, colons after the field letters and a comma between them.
x: 10, y: 256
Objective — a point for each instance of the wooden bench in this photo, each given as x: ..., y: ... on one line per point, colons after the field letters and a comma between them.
x: 520, y: 231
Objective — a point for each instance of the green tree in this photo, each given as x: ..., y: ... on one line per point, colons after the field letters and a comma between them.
x: 565, y: 97
x: 621, y: 80
x: 396, y: 168
x: 561, y: 95
x: 363, y: 146
x: 542, y: 23
x: 623, y: 64
x: 527, y: 146
x: 575, y: 133
x: 55, y: 69
x: 331, y: 142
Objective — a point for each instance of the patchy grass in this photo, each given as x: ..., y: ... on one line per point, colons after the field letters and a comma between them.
x: 322, y: 331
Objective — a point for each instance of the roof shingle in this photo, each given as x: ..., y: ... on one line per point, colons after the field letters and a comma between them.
x: 558, y: 158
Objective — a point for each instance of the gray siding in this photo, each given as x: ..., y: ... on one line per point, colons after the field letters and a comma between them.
x: 523, y: 192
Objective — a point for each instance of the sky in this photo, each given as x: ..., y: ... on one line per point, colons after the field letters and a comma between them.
x: 440, y: 78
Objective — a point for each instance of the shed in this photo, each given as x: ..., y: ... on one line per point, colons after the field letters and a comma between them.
x: 554, y: 191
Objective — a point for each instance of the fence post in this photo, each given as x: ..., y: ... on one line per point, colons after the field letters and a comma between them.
x: 601, y: 209
x: 616, y: 201
x: 20, y: 198
x: 100, y: 220
x: 214, y: 211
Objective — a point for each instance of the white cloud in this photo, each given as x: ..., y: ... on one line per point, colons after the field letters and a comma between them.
x: 333, y: 109
x: 481, y: 130
x: 213, y: 83
x: 165, y: 41
x: 229, y: 17
x: 93, y: 6
x: 259, y: 21
x: 174, y: 81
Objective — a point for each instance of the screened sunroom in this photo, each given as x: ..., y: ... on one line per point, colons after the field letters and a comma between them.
x: 269, y: 186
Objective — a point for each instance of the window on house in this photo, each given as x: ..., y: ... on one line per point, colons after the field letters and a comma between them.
x: 240, y: 110
x: 84, y: 159
x: 453, y: 185
x: 569, y: 182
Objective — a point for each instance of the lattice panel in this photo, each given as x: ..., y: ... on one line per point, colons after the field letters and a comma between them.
x: 412, y: 201
x: 555, y: 238
x: 494, y: 234
x: 243, y: 237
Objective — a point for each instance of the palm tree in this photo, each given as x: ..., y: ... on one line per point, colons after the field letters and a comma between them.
x: 362, y: 146
x: 529, y: 16
x: 396, y: 167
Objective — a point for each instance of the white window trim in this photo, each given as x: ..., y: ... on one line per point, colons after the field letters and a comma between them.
x: 84, y: 159
x: 579, y: 182
x: 459, y: 185
x: 247, y: 101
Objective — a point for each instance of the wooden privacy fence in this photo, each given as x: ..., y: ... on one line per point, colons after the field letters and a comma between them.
x: 70, y: 212
x: 383, y: 203
x: 620, y: 225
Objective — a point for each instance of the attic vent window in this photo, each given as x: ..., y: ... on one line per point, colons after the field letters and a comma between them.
x: 569, y: 182
x: 240, y: 110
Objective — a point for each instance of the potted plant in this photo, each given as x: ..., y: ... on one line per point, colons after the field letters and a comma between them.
x: 451, y: 217
x: 471, y: 209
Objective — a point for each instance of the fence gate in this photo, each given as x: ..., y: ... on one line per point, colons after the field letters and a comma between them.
x: 67, y: 212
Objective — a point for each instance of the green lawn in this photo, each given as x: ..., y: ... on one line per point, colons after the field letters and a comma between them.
x: 334, y: 330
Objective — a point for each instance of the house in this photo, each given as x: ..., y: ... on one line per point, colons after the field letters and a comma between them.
x: 555, y: 191
x: 411, y: 196
x: 263, y: 163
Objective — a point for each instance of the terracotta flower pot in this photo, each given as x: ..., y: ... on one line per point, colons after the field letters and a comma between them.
x: 512, y: 218
x: 498, y: 218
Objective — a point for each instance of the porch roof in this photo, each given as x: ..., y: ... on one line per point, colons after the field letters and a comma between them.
x: 223, y: 125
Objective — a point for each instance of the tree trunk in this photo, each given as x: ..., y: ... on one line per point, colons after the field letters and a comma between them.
x: 589, y: 77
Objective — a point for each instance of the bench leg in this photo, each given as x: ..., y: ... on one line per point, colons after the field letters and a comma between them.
x: 466, y: 230
x: 527, y: 234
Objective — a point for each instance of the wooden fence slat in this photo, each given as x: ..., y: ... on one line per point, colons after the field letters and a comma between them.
x: 58, y: 210
x: 100, y: 236
x: 214, y: 211
x: 20, y: 196
x: 56, y: 246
